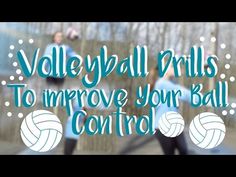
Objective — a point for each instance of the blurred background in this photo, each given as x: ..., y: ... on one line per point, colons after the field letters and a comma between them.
x: 120, y: 38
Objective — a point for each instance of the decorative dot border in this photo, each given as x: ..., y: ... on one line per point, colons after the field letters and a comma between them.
x: 227, y: 66
x: 13, y: 77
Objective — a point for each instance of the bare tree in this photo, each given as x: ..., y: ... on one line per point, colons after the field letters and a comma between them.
x: 83, y: 29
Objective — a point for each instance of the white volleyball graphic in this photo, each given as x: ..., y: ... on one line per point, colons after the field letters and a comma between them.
x: 171, y: 124
x: 207, y: 130
x: 41, y: 131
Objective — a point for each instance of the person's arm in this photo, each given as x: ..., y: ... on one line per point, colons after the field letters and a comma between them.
x: 185, y: 93
x: 70, y: 52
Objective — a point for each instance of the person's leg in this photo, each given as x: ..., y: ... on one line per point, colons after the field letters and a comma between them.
x: 167, y: 144
x: 52, y: 84
x: 70, y: 145
x: 181, y: 144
